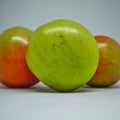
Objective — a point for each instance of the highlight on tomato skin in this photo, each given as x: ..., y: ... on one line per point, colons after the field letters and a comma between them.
x: 14, y: 71
x: 108, y: 71
x: 57, y: 54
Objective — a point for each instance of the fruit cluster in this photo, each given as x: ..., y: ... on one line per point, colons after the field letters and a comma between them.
x: 62, y: 54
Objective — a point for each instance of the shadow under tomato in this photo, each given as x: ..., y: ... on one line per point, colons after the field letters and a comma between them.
x: 41, y: 88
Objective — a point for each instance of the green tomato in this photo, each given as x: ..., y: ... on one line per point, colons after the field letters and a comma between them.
x: 63, y: 54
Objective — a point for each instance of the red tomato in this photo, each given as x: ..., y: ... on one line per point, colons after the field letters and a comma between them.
x: 14, y: 71
x: 108, y: 71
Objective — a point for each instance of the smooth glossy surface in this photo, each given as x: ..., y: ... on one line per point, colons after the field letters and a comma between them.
x: 63, y: 54
x: 108, y: 71
x: 14, y: 71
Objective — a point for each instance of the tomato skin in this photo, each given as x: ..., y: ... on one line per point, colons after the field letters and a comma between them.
x: 108, y: 71
x: 14, y: 71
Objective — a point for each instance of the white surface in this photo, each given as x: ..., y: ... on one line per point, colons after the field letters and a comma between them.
x: 43, y: 103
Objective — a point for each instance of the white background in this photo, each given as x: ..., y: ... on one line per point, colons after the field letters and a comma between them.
x: 43, y: 103
x: 101, y: 17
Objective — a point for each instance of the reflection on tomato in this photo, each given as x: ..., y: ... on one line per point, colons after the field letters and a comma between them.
x: 108, y: 71
x: 14, y: 71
